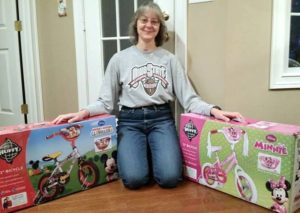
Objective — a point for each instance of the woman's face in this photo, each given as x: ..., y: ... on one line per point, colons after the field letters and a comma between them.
x: 148, y: 26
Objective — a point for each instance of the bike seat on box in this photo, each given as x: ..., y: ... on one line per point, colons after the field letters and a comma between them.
x: 216, y: 148
x: 52, y: 156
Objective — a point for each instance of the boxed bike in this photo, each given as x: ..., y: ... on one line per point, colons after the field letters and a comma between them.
x: 256, y: 161
x: 41, y: 162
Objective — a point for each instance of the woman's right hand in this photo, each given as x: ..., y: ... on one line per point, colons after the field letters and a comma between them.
x: 71, y: 117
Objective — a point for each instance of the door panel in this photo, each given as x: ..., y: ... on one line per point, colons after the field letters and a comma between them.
x: 11, y: 96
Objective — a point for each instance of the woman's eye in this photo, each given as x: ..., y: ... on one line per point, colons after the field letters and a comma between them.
x: 144, y: 20
x: 154, y: 22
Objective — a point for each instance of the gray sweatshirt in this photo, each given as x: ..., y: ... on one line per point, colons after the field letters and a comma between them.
x: 134, y: 78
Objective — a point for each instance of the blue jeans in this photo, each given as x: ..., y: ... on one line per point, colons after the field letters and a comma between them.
x: 148, y: 145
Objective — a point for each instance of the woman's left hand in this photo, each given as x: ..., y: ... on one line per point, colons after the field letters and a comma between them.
x: 226, y: 116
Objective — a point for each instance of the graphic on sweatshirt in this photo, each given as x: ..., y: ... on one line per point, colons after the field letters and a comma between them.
x: 150, y: 76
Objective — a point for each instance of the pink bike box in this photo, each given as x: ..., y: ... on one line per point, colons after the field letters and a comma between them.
x: 256, y: 161
x: 41, y: 162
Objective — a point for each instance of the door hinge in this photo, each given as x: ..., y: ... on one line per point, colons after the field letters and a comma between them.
x: 24, y: 108
x: 18, y: 25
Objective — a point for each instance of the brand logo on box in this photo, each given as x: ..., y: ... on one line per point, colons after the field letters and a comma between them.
x: 271, y: 138
x: 190, y: 130
x: 101, y: 123
x: 9, y: 150
x: 280, y: 149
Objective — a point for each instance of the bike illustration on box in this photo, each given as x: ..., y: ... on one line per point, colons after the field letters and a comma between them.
x: 41, y: 162
x: 215, y: 174
x: 257, y: 161
x: 53, y: 182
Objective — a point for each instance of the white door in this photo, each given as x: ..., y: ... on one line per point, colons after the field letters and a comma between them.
x: 11, y: 95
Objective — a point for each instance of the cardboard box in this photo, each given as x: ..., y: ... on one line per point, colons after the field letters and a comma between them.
x: 41, y: 162
x: 257, y: 161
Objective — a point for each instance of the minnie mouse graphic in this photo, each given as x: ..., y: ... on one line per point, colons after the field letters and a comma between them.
x: 279, y: 193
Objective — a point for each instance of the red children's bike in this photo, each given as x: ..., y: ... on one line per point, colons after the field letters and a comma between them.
x: 53, y: 183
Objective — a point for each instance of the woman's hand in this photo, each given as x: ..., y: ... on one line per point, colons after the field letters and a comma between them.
x: 226, y: 116
x: 71, y: 117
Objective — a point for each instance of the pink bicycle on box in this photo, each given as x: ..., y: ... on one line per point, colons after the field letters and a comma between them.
x: 215, y: 174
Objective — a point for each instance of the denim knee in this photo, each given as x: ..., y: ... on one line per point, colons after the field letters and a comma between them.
x: 134, y: 182
x: 169, y: 181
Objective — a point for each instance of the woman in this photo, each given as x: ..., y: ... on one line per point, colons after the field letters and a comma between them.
x: 142, y: 80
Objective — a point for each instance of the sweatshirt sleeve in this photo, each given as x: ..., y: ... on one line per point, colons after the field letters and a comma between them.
x: 185, y: 93
x: 109, y: 92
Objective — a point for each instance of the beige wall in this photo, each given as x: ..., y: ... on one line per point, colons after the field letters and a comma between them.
x: 229, y: 45
x: 229, y: 48
x: 57, y: 59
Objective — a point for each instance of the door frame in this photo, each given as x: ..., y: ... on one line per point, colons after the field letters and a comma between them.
x: 88, y: 70
x: 31, y: 65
